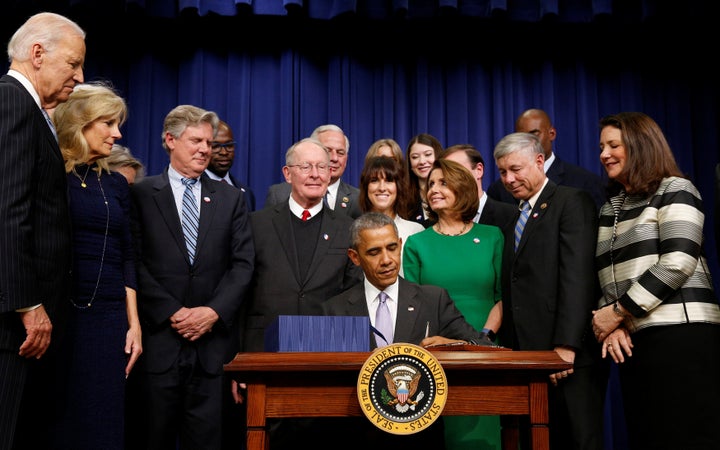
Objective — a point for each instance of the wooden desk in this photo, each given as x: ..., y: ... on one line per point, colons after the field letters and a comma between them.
x: 511, y: 383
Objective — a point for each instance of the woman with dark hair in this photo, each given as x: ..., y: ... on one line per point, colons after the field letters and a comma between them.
x: 422, y: 150
x: 465, y: 258
x: 383, y: 188
x: 659, y: 317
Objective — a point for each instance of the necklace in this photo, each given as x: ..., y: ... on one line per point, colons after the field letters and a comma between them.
x: 105, y: 238
x: 464, y: 228
x: 82, y: 180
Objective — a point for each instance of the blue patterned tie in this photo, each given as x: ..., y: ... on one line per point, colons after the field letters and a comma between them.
x: 522, y: 220
x: 49, y: 122
x: 383, y: 320
x: 190, y: 217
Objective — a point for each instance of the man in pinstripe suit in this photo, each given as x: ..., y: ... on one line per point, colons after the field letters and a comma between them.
x: 47, y: 55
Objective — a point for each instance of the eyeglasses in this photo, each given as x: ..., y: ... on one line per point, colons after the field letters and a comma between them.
x: 228, y: 146
x: 305, y: 168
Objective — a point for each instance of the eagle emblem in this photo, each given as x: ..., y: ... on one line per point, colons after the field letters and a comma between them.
x: 402, y: 382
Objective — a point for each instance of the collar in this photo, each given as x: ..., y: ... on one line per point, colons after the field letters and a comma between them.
x: 26, y: 84
x: 532, y: 200
x: 548, y: 162
x: 297, y: 210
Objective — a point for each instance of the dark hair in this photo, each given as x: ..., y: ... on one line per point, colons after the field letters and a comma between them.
x: 472, y: 153
x: 368, y: 221
x: 649, y: 158
x: 413, y: 182
x: 389, y: 169
x: 461, y: 182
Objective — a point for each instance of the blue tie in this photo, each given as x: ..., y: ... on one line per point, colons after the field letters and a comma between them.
x: 522, y: 220
x: 190, y: 217
x: 383, y: 320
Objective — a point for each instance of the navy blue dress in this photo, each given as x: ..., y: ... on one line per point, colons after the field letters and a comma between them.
x: 91, y: 379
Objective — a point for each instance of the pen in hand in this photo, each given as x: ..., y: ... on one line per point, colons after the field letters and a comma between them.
x: 427, y: 329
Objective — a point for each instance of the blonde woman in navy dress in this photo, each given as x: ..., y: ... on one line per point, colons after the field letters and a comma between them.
x: 102, y: 341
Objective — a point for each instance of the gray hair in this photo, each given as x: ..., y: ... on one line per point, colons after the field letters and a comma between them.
x: 331, y: 127
x: 183, y: 116
x: 45, y: 28
x: 369, y: 221
x: 290, y: 153
x: 515, y: 142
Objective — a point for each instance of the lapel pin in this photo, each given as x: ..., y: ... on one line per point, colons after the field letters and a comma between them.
x: 543, y: 206
x: 476, y: 240
x: 206, y: 199
x: 345, y: 199
x: 411, y: 308
x: 344, y: 205
x: 326, y: 237
x: 535, y: 215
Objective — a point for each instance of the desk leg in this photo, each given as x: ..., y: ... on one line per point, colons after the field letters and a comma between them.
x: 510, y: 434
x: 539, y: 416
x: 257, y: 438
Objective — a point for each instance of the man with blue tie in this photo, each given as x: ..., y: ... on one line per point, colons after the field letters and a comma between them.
x: 46, y: 62
x: 550, y: 287
x: 195, y: 263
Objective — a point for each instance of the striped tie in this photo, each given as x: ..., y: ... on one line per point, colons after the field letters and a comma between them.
x: 522, y: 220
x: 190, y: 217
x: 49, y: 122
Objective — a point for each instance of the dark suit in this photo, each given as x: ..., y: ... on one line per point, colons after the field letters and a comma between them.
x: 550, y: 287
x: 563, y: 174
x: 277, y: 288
x: 280, y: 192
x: 497, y: 213
x: 218, y: 278
x: 249, y: 195
x: 34, y: 247
x: 417, y: 305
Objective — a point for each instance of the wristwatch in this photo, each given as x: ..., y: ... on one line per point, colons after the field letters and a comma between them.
x: 617, y: 311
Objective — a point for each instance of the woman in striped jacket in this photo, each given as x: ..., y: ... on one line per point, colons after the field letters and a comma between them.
x: 659, y: 317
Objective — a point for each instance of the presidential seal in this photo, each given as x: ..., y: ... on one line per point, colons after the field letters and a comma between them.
x: 402, y: 388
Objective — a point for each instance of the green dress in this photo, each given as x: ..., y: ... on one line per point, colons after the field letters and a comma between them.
x: 468, y: 266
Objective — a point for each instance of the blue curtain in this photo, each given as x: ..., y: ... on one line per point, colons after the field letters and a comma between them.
x: 460, y: 70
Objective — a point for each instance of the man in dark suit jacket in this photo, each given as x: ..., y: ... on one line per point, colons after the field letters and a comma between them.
x: 490, y: 211
x: 562, y: 173
x: 300, y: 261
x: 424, y: 315
x: 34, y: 219
x: 550, y: 288
x: 343, y: 197
x: 298, y: 264
x: 188, y: 300
x: 221, y: 161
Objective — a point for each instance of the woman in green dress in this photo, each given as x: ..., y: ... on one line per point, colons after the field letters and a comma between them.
x: 465, y: 258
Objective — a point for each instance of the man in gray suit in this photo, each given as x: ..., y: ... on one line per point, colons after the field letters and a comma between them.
x: 340, y: 197
x: 47, y: 54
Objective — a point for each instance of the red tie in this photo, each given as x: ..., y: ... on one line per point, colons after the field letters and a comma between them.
x: 305, y: 215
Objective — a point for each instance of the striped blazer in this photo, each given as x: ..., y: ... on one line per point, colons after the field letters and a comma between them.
x: 650, y: 259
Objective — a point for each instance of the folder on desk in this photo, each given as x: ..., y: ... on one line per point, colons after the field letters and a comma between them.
x: 318, y: 334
